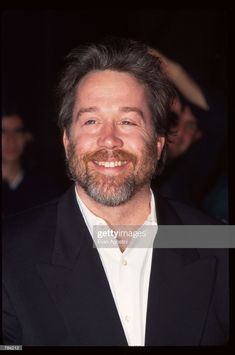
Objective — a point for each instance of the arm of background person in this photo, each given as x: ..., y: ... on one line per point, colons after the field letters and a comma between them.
x: 182, y: 81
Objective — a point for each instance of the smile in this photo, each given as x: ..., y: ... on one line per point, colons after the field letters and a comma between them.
x: 111, y: 164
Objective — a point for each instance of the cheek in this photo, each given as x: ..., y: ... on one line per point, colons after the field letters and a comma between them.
x: 79, y: 141
x: 190, y: 135
x: 19, y: 145
x: 3, y: 142
x: 137, y: 140
x: 83, y: 146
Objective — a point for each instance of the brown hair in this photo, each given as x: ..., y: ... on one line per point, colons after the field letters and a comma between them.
x: 122, y: 55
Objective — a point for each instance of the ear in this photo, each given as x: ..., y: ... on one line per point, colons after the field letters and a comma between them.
x: 65, y: 142
x: 159, y: 145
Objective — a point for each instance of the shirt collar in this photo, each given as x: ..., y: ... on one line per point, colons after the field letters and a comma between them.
x: 91, y: 219
x: 137, y: 246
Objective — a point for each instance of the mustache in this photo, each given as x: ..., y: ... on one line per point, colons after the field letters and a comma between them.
x: 104, y: 154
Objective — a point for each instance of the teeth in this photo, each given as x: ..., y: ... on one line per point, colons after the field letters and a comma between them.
x: 111, y: 164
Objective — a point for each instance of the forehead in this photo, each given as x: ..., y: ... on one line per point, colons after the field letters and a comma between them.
x: 13, y: 121
x: 110, y: 84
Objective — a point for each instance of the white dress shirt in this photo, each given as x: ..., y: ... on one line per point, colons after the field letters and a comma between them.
x: 128, y: 273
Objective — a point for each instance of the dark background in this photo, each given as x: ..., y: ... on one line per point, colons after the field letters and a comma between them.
x: 34, y: 43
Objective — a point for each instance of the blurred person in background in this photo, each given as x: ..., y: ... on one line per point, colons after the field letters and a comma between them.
x: 199, y: 137
x: 186, y: 130
x: 21, y: 189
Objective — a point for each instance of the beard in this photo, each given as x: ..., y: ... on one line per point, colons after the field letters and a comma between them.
x: 112, y: 190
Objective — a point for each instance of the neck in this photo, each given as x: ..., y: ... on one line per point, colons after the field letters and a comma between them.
x: 139, y: 205
x: 10, y: 171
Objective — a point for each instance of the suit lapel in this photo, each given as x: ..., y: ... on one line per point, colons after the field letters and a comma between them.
x: 180, y: 290
x: 77, y: 283
x: 179, y: 297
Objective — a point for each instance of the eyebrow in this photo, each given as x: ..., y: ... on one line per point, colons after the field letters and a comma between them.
x: 122, y: 109
x: 86, y: 109
x: 132, y: 109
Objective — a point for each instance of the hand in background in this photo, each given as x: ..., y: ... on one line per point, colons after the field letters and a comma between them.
x: 181, y: 79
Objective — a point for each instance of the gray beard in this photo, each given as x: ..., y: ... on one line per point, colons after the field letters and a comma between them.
x: 97, y: 191
x: 111, y: 191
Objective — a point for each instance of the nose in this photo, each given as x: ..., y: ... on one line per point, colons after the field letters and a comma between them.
x: 109, y: 137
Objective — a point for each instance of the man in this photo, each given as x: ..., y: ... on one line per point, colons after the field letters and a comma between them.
x: 61, y: 290
x: 19, y: 190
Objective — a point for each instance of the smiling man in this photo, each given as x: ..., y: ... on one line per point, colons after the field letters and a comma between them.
x: 60, y: 287
x: 112, y: 148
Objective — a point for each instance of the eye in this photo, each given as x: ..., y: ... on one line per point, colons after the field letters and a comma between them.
x: 90, y: 122
x: 128, y: 123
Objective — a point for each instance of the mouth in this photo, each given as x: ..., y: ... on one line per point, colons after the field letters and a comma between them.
x: 110, y: 167
x: 111, y: 164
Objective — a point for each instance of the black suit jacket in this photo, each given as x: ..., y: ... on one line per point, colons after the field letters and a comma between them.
x: 55, y: 291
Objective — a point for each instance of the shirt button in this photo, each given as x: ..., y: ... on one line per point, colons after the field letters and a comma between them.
x: 127, y: 318
x: 124, y: 262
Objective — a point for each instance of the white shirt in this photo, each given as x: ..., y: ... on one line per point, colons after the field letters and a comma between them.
x: 14, y: 184
x: 128, y: 273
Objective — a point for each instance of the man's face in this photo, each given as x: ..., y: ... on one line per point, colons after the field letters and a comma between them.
x: 187, y: 131
x: 112, y: 149
x: 13, y: 139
